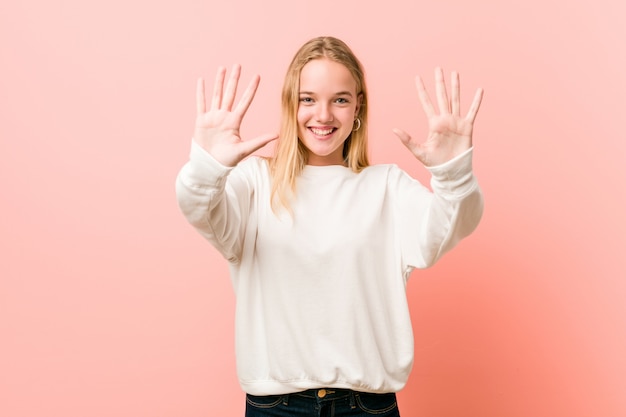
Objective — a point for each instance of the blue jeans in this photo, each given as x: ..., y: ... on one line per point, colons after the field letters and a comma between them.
x: 329, y: 402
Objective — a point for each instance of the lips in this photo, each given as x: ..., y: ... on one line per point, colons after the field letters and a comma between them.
x: 322, y: 131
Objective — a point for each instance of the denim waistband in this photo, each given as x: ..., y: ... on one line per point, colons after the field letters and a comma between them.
x: 325, y: 393
x: 322, y: 397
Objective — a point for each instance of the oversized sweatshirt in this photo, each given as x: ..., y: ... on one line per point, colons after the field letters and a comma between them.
x: 321, y: 292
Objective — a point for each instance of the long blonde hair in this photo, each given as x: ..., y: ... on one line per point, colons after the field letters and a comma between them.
x: 290, y: 155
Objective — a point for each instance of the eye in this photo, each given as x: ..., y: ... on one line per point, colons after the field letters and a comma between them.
x: 341, y: 100
x: 306, y: 100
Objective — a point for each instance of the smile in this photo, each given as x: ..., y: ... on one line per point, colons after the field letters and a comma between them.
x: 322, y: 132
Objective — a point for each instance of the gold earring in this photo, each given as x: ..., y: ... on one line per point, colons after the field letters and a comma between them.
x: 358, y: 121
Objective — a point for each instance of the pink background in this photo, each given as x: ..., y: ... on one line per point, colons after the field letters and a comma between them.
x: 111, y: 305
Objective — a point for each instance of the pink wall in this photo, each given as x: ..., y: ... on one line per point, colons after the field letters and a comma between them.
x: 111, y: 305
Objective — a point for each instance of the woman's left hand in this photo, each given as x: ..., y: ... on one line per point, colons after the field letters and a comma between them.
x: 449, y: 134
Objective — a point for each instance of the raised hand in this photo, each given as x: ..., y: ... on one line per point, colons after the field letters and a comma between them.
x: 217, y: 130
x: 449, y: 134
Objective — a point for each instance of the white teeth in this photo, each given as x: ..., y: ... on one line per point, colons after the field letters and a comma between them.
x: 322, y: 132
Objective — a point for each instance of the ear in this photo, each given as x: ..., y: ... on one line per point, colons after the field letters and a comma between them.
x: 359, y: 101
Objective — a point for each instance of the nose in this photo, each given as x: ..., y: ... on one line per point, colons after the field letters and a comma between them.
x: 324, y: 113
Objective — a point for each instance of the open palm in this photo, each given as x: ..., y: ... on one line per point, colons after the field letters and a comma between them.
x: 449, y: 134
x: 217, y: 130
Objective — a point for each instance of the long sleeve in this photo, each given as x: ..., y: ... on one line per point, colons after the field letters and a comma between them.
x: 215, y: 199
x: 432, y: 223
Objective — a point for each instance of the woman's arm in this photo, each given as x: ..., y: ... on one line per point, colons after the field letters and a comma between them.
x: 214, y: 197
x: 434, y: 222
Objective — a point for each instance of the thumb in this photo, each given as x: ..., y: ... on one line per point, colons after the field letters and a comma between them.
x: 404, y: 137
x: 415, y: 148
x: 252, y: 145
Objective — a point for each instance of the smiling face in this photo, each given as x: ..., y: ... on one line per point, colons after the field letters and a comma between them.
x: 328, y: 106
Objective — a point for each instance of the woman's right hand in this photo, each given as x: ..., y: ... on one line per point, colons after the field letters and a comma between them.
x: 217, y: 130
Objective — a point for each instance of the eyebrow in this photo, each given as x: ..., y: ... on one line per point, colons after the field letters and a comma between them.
x: 341, y: 93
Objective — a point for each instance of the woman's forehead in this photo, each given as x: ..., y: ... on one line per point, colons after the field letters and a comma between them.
x: 325, y: 75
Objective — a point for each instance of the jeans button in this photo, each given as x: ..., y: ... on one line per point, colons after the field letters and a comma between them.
x: 321, y: 393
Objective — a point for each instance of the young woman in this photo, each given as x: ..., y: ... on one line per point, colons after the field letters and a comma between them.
x: 320, y: 243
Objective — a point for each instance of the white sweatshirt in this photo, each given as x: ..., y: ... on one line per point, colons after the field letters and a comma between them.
x: 321, y: 298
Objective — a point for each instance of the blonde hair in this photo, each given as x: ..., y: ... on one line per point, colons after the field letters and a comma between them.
x: 290, y: 155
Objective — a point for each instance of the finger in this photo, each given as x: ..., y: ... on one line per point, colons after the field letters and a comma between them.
x: 252, y: 145
x: 478, y: 98
x: 200, y: 99
x: 442, y: 94
x: 456, y: 94
x: 231, y: 88
x: 248, y: 96
x: 427, y: 105
x: 405, y: 138
x: 216, y: 102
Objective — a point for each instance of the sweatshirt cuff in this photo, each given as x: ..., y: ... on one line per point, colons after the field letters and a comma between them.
x: 454, y: 177
x: 203, y: 170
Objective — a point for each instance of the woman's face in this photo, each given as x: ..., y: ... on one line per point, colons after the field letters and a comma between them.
x: 328, y: 106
